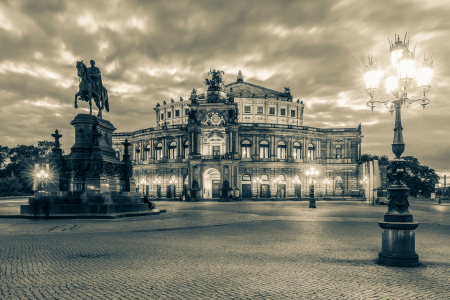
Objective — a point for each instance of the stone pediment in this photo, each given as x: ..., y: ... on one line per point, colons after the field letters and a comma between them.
x: 240, y: 89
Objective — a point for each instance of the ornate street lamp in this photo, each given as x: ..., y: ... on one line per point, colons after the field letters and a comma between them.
x: 143, y: 183
x: 277, y: 181
x: 311, y: 173
x: 258, y: 182
x: 398, y: 242
x: 42, y: 177
x: 157, y: 183
x: 173, y: 182
x: 296, y: 182
x: 326, y: 182
x: 363, y: 183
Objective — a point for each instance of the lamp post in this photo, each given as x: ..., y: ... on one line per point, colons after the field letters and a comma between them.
x: 296, y: 182
x: 398, y: 240
x: 41, y: 177
x: 326, y: 182
x: 258, y: 182
x: 143, y: 183
x: 363, y: 183
x: 173, y: 183
x: 277, y: 181
x: 311, y: 173
x: 157, y: 183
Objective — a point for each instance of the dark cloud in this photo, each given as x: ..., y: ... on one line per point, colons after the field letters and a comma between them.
x: 151, y: 51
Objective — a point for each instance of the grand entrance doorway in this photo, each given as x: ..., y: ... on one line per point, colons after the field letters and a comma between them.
x: 211, y: 183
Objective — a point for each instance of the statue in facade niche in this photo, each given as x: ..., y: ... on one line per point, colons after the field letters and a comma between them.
x: 287, y: 90
x: 194, y: 96
x: 91, y: 87
x: 216, y: 83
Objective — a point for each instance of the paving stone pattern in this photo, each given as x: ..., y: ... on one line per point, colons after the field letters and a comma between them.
x: 219, y: 251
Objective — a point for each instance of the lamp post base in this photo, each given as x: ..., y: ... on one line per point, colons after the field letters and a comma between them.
x: 398, y: 244
x: 312, y: 203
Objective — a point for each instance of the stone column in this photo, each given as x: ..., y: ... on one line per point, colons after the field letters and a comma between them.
x: 237, y: 146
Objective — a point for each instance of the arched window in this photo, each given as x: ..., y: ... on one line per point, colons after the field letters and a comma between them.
x: 297, y: 151
x: 264, y: 149
x: 264, y: 177
x: 159, y: 152
x: 282, y: 179
x: 186, y: 149
x: 246, y: 146
x: 246, y: 177
x: 281, y: 150
x: 338, y: 151
x: 311, y: 151
x: 173, y: 150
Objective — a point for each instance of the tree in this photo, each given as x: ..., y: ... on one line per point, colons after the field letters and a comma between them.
x: 21, y: 160
x: 416, y: 177
x: 366, y: 157
x: 10, y: 186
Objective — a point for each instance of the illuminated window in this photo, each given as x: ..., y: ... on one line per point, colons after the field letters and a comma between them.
x: 172, y: 150
x: 297, y: 153
x: 246, y: 146
x: 311, y: 151
x: 281, y: 150
x: 264, y: 149
x: 159, y: 151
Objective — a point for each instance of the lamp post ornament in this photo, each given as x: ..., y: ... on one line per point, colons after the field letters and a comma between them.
x: 398, y: 78
x: 310, y: 173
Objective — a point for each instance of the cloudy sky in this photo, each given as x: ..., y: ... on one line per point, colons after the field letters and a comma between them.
x: 151, y: 51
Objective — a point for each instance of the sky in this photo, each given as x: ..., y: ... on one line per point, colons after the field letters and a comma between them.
x: 153, y: 51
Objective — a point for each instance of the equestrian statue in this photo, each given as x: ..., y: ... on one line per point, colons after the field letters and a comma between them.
x: 91, y: 87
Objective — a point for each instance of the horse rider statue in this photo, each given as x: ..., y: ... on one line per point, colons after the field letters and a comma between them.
x: 91, y: 87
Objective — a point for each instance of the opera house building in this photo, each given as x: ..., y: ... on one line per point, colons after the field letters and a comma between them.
x: 241, y: 140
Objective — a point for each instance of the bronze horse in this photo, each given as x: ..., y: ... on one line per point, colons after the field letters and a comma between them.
x: 86, y: 91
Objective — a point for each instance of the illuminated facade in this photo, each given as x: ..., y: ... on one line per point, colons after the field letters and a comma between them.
x: 240, y: 137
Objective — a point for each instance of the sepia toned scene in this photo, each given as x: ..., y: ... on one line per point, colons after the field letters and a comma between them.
x: 224, y: 150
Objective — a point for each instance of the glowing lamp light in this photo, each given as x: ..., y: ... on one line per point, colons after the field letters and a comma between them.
x: 406, y: 66
x: 372, y: 77
x: 395, y: 55
x: 423, y: 73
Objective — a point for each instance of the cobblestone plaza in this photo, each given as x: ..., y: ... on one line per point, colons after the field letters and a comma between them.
x: 211, y: 250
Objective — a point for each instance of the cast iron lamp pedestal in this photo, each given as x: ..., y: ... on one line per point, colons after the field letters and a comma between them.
x: 398, y: 238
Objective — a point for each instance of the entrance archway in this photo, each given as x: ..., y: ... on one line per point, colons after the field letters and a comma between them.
x: 211, y: 183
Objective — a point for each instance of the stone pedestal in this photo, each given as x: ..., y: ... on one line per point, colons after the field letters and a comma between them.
x: 398, y: 244
x: 95, y: 180
x: 312, y: 203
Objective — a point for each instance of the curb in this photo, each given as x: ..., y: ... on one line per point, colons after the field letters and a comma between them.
x: 90, y: 216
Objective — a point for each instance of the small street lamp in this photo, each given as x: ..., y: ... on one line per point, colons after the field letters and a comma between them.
x: 157, y: 183
x: 42, y: 178
x: 143, y: 183
x: 398, y: 240
x: 311, y: 173
x: 277, y: 181
x: 173, y: 182
x: 326, y: 182
x: 296, y: 182
x: 363, y: 183
x: 258, y: 182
